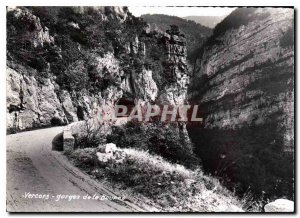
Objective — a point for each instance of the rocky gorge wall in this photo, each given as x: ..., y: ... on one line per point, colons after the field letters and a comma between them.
x: 244, y: 84
x: 64, y: 63
x: 60, y: 71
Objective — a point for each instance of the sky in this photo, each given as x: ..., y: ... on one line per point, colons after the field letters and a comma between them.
x: 180, y: 11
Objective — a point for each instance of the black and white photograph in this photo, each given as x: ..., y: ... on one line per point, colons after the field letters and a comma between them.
x: 144, y: 109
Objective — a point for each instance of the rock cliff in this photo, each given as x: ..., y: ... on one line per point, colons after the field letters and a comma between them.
x: 195, y: 33
x: 64, y: 63
x: 244, y: 84
x: 175, y: 69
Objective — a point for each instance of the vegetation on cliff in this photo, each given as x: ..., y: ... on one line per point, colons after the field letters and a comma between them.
x: 243, y: 82
x: 156, y: 138
x: 78, y: 36
x: 168, y: 187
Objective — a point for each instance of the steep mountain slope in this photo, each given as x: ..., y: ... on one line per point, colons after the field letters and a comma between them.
x: 244, y: 83
x: 195, y: 33
x: 208, y: 21
x: 64, y: 63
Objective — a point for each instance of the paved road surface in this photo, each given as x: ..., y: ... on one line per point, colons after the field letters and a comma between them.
x: 33, y: 167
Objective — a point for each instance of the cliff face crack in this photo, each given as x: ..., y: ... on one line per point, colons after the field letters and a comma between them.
x: 244, y: 83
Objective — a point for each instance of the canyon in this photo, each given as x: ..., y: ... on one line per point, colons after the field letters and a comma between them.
x: 149, y: 68
x: 243, y: 82
x: 65, y: 62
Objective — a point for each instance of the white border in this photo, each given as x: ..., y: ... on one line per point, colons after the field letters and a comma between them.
x: 4, y: 3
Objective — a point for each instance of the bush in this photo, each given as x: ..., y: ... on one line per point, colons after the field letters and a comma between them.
x: 80, y: 37
x: 11, y: 130
x: 75, y: 77
x: 156, y: 138
x: 86, y: 157
x: 90, y: 136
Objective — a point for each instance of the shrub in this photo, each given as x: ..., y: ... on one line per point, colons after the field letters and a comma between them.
x: 79, y: 36
x: 156, y: 138
x: 75, y: 77
x: 11, y: 130
x: 70, y: 14
x: 90, y: 136
x: 85, y: 157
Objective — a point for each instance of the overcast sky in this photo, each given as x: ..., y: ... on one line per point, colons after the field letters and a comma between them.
x: 180, y: 11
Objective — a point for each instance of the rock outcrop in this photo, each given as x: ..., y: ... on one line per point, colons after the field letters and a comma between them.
x: 280, y: 205
x: 175, y: 68
x: 35, y: 93
x: 36, y: 34
x: 247, y: 73
x: 243, y: 83
x: 194, y: 32
x: 29, y: 104
x: 74, y: 78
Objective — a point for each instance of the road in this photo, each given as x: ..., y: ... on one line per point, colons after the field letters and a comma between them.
x: 33, y: 167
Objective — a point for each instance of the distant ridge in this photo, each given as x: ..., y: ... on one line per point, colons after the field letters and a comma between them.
x: 208, y: 21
